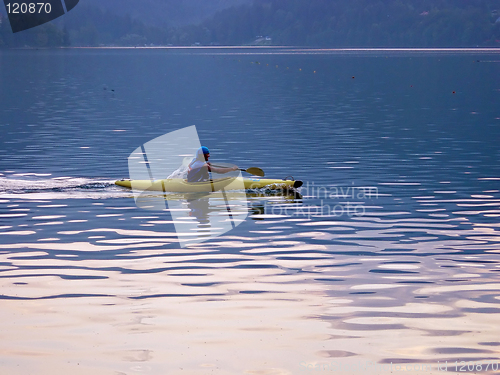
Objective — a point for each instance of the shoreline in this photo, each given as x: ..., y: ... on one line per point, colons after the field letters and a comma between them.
x: 296, y: 49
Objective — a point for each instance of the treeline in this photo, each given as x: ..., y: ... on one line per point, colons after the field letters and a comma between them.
x: 108, y: 24
x: 357, y: 23
x: 86, y: 26
x: 166, y: 12
x: 322, y: 23
x: 93, y: 26
x: 47, y: 35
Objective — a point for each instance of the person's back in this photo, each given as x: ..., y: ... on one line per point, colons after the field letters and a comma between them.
x: 199, y: 167
x: 198, y: 174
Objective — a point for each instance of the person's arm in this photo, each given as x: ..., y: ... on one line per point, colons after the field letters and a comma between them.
x: 221, y: 170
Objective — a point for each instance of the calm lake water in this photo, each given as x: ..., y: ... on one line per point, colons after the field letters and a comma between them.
x: 406, y: 275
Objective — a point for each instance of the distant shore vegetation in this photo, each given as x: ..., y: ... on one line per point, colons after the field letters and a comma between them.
x: 311, y: 23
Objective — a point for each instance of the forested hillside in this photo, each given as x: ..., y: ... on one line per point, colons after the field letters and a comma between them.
x: 358, y: 23
x: 117, y: 22
x: 322, y: 23
x: 47, y: 35
x: 163, y: 13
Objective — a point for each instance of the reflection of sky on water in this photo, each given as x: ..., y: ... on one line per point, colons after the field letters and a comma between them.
x: 382, y: 288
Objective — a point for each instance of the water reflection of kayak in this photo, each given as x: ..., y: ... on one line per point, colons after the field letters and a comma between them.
x: 249, y: 196
x: 228, y: 183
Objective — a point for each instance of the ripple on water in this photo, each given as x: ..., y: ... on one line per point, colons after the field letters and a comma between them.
x: 411, y: 281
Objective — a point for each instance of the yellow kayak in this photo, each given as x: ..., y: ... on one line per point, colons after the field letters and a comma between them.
x: 228, y: 183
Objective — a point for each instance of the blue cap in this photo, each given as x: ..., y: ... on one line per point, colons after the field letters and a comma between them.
x: 205, y: 150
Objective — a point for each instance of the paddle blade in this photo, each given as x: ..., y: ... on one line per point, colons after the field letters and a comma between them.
x: 255, y: 171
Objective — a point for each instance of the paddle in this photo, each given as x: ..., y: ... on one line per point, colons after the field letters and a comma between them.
x: 252, y: 170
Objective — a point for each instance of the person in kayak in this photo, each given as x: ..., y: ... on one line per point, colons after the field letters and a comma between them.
x: 200, y: 166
